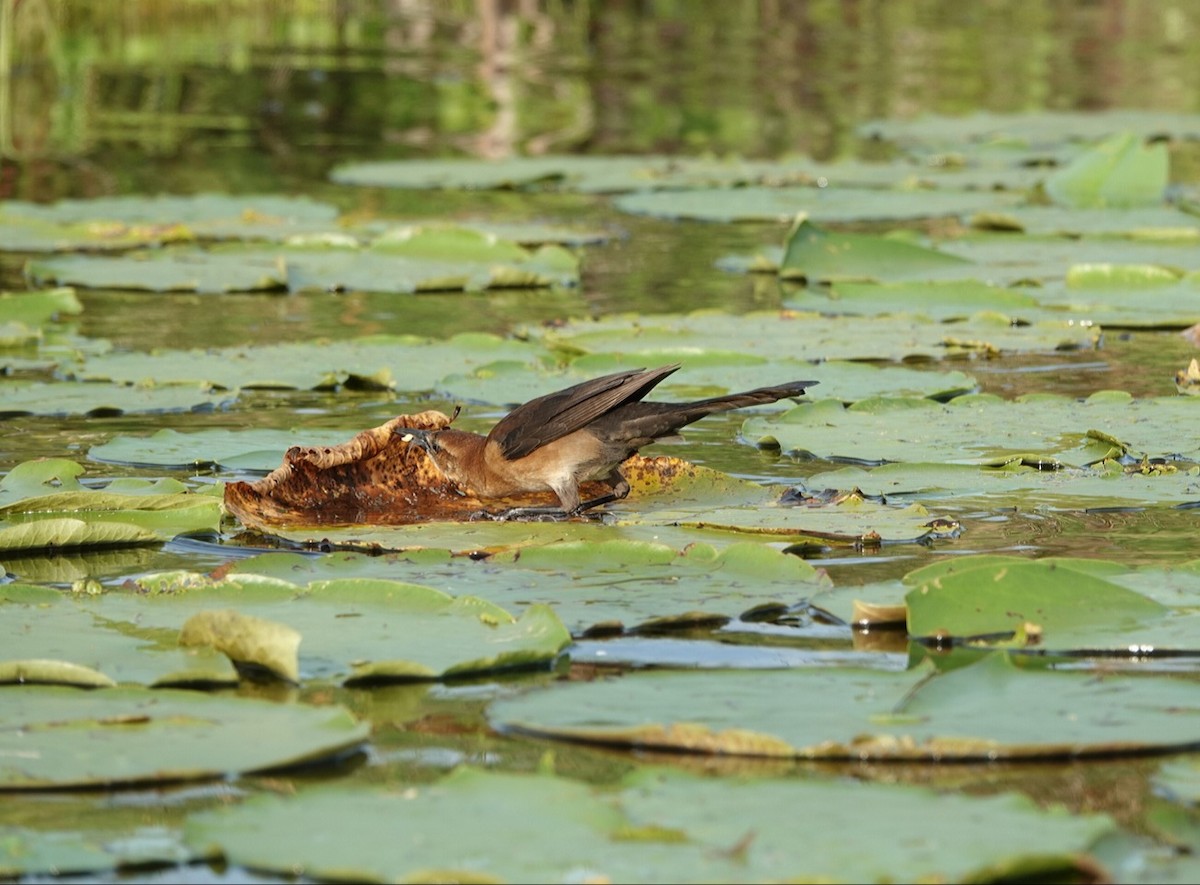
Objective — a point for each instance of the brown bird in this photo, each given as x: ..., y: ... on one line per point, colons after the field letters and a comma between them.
x: 557, y: 441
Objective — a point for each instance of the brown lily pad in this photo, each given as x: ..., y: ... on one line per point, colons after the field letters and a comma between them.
x: 377, y: 478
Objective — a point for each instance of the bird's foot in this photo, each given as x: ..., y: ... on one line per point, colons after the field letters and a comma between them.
x: 534, y: 514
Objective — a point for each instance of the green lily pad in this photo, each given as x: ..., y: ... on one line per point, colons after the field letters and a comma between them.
x: 255, y: 450
x: 1061, y: 605
x: 1036, y: 128
x: 1042, y: 430
x: 593, y: 584
x: 376, y: 362
x: 706, y: 372
x: 827, y: 204
x: 597, y: 174
x: 818, y: 255
x: 1159, y: 222
x: 1122, y: 172
x: 659, y: 825
x: 1105, y: 485
x: 44, y: 506
x: 1006, y: 259
x: 63, y: 737
x: 53, y: 637
x: 55, y: 834
x: 62, y: 398
x: 36, y: 308
x: 954, y: 299
x: 430, y: 262
x: 812, y: 336
x: 920, y: 715
x: 349, y: 628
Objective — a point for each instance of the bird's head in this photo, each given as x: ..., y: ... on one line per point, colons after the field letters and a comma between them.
x: 451, y: 450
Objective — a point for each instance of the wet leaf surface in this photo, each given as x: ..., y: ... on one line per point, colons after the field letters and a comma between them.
x: 110, y: 736
x: 922, y: 714
x: 659, y: 824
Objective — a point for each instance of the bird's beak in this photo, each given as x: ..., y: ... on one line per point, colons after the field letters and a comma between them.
x: 412, y: 436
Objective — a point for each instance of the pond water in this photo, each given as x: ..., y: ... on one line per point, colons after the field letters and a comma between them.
x: 186, y: 98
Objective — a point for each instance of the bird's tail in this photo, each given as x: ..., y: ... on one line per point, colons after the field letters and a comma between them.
x: 653, y: 420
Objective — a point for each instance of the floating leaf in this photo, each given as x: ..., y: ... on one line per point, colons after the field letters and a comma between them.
x: 62, y: 398
x: 805, y: 335
x: 657, y: 825
x: 52, y: 637
x: 63, y: 737
x: 819, y: 255
x: 824, y: 205
x: 352, y: 629
x: 1051, y: 605
x: 1122, y: 172
x: 965, y: 713
x: 377, y: 362
x: 1040, y: 430
x: 600, y: 585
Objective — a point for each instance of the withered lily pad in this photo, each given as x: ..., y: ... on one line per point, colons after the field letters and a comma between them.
x: 656, y: 825
x: 63, y: 737
x: 378, y: 478
x: 920, y: 715
x: 1040, y: 430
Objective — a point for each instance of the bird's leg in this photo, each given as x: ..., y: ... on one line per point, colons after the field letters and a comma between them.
x: 619, y: 486
x: 571, y: 505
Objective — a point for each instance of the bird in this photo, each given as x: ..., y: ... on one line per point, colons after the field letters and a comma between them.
x: 583, y: 432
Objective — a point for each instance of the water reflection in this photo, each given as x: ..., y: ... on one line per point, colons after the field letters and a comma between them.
x: 269, y: 92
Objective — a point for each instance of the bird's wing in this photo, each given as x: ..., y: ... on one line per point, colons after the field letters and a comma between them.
x: 530, y: 426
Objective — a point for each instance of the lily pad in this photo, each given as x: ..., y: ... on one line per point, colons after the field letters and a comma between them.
x: 247, y: 450
x: 351, y: 629
x: 124, y: 222
x: 35, y: 308
x: 818, y: 255
x: 422, y: 263
x: 64, y: 737
x: 375, y: 362
x: 62, y: 398
x: 593, y: 585
x: 1042, y: 430
x: 955, y: 299
x: 658, y: 825
x: 1108, y: 484
x: 707, y: 372
x: 1160, y: 222
x: 1046, y: 605
x: 920, y: 715
x: 44, y: 506
x: 1122, y: 172
x: 814, y: 337
x: 1033, y: 128
x: 49, y: 636
x: 824, y: 204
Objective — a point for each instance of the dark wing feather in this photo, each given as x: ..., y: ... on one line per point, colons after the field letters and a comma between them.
x: 530, y: 426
